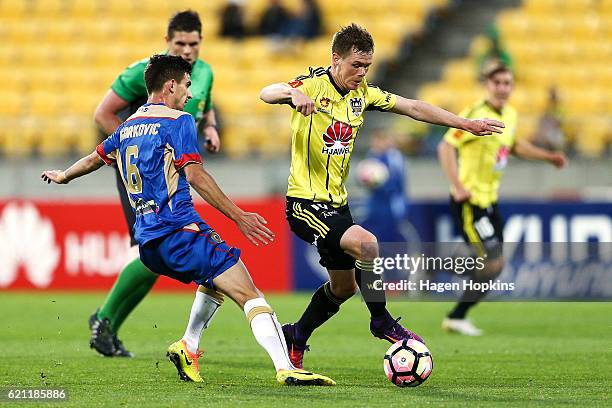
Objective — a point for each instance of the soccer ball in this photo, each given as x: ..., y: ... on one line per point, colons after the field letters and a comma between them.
x: 408, y: 363
x: 372, y: 173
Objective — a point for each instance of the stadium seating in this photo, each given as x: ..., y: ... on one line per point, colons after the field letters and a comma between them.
x: 562, y: 43
x: 62, y: 56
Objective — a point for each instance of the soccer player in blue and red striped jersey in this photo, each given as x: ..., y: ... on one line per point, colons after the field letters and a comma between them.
x: 156, y: 152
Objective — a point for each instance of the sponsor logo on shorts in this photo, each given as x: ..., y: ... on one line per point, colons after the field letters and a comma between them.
x: 215, y: 237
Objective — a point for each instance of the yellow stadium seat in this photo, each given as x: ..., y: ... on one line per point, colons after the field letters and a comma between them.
x: 577, y: 7
x: 87, y: 140
x: 525, y: 53
x: 585, y: 102
x: 20, y: 139
x: 85, y: 8
x: 461, y: 71
x: 591, y: 138
x: 62, y: 33
x: 44, y: 103
x: 52, y: 142
x: 540, y: 7
x: 233, y: 142
x: 584, y: 27
x: 50, y: 8
x: 98, y: 31
x: 14, y: 103
x: 14, y: 9
x: 46, y: 79
x: 513, y: 22
x: 547, y: 26
x: 432, y: 93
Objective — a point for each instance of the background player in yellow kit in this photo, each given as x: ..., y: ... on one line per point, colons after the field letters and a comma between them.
x: 475, y: 183
x: 329, y: 106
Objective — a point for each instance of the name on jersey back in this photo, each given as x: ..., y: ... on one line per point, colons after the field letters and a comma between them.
x: 139, y: 130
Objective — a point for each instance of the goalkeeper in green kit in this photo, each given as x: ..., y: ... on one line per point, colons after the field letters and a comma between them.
x: 128, y: 92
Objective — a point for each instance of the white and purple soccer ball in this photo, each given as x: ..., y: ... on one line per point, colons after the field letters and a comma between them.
x: 408, y: 363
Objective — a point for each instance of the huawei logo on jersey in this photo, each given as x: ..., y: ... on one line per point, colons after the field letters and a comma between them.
x: 501, y: 158
x: 337, y: 138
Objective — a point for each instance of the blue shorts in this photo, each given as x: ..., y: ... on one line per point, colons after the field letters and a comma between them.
x: 190, y: 256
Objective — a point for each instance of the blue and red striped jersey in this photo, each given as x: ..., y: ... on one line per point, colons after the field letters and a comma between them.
x: 151, y: 148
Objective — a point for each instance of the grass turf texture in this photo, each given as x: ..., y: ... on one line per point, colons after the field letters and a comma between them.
x: 532, y: 354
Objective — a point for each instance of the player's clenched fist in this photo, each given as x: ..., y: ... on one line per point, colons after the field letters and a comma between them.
x: 252, y: 226
x: 483, y: 127
x: 302, y: 103
x: 558, y: 159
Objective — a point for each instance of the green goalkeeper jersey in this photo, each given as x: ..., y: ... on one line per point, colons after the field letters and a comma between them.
x: 130, y: 85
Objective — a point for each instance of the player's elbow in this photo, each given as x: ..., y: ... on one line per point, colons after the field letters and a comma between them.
x: 190, y: 176
x: 265, y: 95
x: 193, y: 173
x: 275, y: 93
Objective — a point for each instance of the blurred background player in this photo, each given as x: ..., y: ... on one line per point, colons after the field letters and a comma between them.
x: 550, y: 134
x: 475, y: 179
x: 329, y: 106
x: 159, y: 146
x: 128, y: 92
x: 383, y: 172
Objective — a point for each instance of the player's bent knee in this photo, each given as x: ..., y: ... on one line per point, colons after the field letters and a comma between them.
x: 360, y: 243
x: 492, y: 269
x: 236, y: 283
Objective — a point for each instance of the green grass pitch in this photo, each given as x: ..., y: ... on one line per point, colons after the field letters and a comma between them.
x: 536, y: 354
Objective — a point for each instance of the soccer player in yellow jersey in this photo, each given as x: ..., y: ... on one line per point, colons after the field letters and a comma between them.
x: 475, y: 182
x: 329, y: 106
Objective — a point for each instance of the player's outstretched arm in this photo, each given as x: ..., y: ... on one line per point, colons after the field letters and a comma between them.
x: 526, y: 150
x: 283, y: 93
x: 447, y: 155
x: 252, y: 225
x: 105, y: 115
x: 425, y: 112
x: 86, y: 165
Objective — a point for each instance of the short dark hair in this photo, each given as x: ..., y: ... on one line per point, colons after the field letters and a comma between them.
x: 187, y: 21
x: 352, y: 37
x: 162, y: 68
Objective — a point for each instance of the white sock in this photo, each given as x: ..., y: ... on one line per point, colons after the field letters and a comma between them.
x: 268, y: 332
x: 202, y: 312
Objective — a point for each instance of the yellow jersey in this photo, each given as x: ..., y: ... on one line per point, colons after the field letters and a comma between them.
x: 322, y: 142
x: 483, y: 158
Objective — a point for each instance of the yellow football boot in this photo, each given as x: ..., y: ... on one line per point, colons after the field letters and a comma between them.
x: 302, y: 377
x: 186, y: 362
